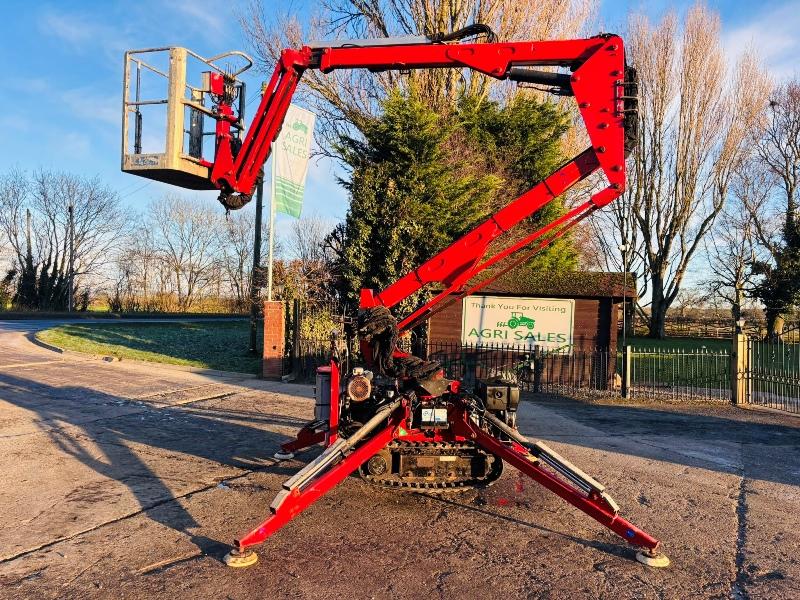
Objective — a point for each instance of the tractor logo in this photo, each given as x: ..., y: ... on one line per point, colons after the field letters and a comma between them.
x: 518, y: 319
x: 299, y: 126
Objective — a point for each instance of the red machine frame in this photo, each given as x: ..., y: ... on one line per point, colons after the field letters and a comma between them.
x: 592, y: 501
x: 598, y: 85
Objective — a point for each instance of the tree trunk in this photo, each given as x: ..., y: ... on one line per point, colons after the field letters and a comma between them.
x: 775, y: 323
x: 658, y: 310
x: 736, y: 307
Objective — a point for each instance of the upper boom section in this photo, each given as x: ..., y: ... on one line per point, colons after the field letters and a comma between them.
x: 597, y: 72
x: 597, y: 79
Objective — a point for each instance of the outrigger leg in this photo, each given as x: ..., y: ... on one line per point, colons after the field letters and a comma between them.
x: 585, y: 493
x: 343, y: 457
x: 310, y: 434
x: 318, y: 477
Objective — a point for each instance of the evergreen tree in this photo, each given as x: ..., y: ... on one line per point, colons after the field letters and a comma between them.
x: 522, y: 141
x: 418, y: 180
x: 779, y: 286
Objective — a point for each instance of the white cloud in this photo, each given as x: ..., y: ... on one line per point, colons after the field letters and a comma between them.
x: 773, y: 34
x: 84, y: 34
x: 84, y: 103
x: 70, y: 28
x: 202, y: 16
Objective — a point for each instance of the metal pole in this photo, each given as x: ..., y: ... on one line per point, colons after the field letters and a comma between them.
x: 71, y: 255
x: 255, y: 284
x: 624, y: 293
x: 626, y: 355
x: 271, y: 228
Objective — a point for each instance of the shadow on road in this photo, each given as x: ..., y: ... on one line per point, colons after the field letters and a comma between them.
x: 80, y: 420
x: 230, y: 437
x: 760, y: 445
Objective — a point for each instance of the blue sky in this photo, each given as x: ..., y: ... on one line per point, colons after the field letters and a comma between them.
x: 62, y: 65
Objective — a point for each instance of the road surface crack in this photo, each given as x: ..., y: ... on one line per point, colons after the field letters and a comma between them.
x: 143, y: 509
x: 738, y: 586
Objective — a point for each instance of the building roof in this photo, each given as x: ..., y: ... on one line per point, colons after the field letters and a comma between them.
x: 565, y: 284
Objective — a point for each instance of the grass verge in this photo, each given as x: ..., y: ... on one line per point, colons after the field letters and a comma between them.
x: 218, y: 345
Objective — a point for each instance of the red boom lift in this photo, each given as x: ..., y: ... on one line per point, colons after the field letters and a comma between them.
x: 397, y: 420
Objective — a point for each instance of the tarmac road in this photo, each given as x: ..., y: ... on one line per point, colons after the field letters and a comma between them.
x: 123, y: 480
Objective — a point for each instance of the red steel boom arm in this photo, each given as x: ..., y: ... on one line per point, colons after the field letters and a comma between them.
x: 597, y: 82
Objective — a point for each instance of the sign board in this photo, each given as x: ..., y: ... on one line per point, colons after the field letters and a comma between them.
x: 519, y: 322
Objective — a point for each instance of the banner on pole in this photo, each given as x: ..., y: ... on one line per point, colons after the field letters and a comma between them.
x: 290, y: 160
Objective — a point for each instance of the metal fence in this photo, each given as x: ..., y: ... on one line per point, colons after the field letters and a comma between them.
x: 770, y: 370
x: 664, y: 374
x: 773, y: 374
x: 563, y: 372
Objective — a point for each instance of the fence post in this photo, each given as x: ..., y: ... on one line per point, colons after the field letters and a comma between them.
x: 627, y: 360
x: 538, y: 368
x: 740, y: 367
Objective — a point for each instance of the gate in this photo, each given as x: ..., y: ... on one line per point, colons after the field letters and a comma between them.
x: 309, y: 329
x: 773, y: 374
x: 677, y: 374
x: 560, y: 372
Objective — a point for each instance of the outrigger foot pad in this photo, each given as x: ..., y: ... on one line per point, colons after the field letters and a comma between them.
x: 241, y: 558
x: 652, y: 559
x: 283, y: 455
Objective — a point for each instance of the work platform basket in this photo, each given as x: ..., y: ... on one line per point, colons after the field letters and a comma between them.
x: 167, y: 95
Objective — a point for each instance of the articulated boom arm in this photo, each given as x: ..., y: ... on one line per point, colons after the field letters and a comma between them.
x: 597, y: 83
x: 398, y: 415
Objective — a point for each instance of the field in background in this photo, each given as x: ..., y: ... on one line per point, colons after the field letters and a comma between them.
x: 218, y: 345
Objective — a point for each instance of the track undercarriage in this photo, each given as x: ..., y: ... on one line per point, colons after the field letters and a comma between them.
x: 431, y: 466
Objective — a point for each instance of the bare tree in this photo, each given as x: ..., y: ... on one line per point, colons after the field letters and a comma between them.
x: 779, y: 147
x: 186, y: 236
x: 308, y: 271
x: 696, y: 120
x: 236, y: 254
x: 139, y: 284
x: 35, y: 217
x: 14, y: 201
x: 346, y: 99
x: 689, y: 300
x: 777, y: 222
x: 731, y: 243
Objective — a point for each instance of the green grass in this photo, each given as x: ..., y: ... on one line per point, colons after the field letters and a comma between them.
x: 222, y: 345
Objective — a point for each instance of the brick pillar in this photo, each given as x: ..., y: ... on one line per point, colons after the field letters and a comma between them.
x: 272, y: 359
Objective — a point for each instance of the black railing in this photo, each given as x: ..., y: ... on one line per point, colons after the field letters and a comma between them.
x: 771, y: 370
